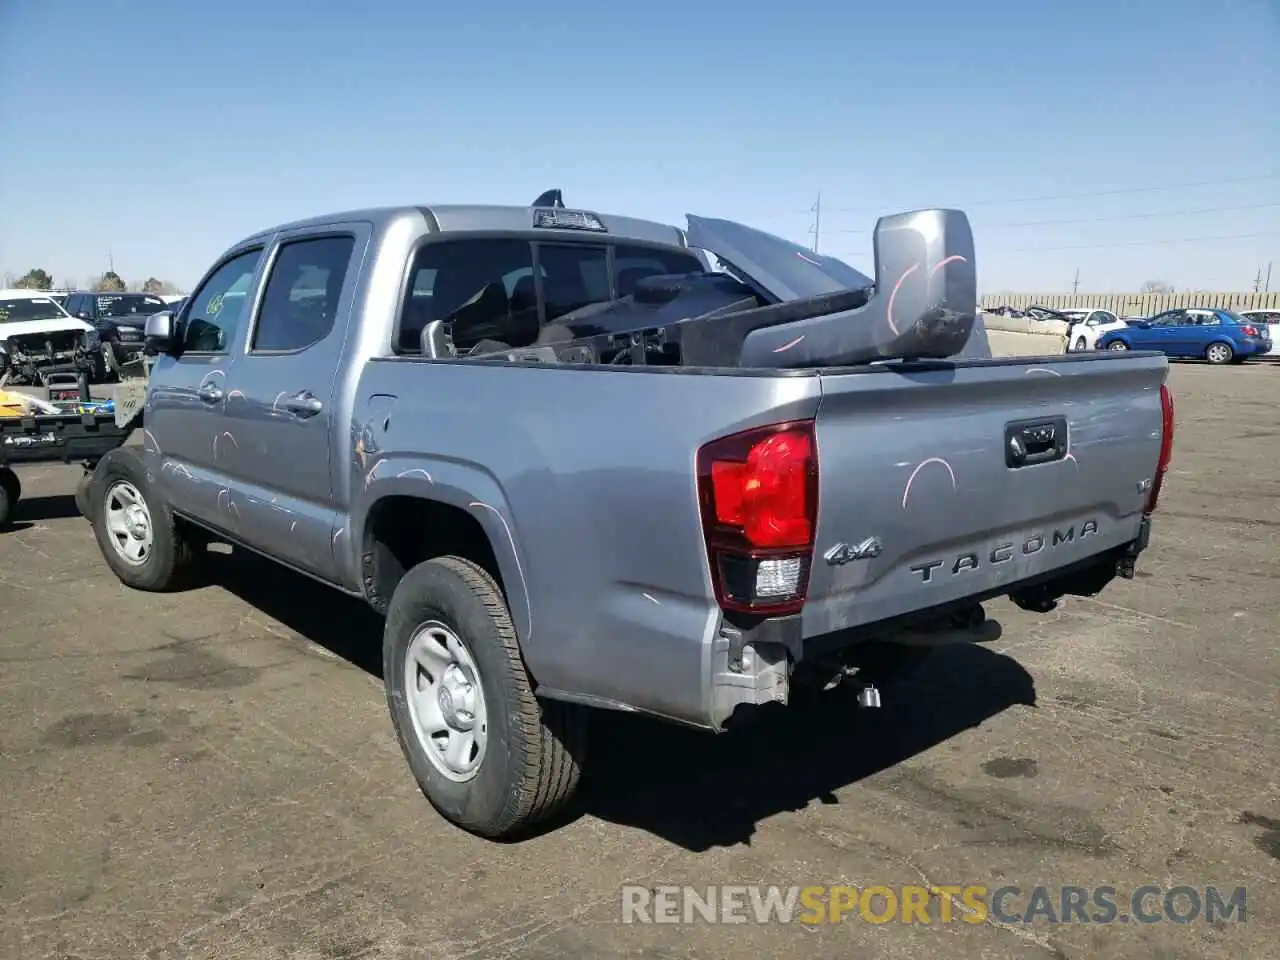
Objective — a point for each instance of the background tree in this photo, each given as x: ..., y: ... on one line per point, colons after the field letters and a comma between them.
x: 1157, y: 286
x: 109, y: 282
x: 152, y: 285
x: 35, y: 280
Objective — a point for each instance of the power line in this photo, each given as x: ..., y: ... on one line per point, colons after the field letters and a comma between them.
x: 1113, y: 192
x: 1109, y: 219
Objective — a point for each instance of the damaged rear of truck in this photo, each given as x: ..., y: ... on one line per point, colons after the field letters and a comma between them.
x: 686, y: 499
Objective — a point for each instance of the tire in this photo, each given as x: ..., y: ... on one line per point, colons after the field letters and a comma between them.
x: 524, y: 759
x: 84, y: 496
x: 1081, y: 345
x: 119, y: 485
x: 1117, y: 345
x: 10, y: 494
x: 1219, y: 353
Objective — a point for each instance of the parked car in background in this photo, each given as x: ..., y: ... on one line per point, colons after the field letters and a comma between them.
x: 1088, y: 325
x: 1270, y: 319
x: 1218, y: 336
x: 37, y: 338
x: 118, y: 321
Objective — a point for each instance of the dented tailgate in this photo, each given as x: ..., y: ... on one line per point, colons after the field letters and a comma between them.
x: 944, y: 484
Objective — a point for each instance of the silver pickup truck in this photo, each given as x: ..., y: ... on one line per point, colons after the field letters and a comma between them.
x: 579, y: 464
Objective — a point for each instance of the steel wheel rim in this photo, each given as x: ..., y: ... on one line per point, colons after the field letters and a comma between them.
x: 446, y: 701
x: 128, y: 522
x: 1217, y: 352
x: 1118, y: 345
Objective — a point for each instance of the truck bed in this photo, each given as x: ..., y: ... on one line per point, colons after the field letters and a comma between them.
x: 584, y: 480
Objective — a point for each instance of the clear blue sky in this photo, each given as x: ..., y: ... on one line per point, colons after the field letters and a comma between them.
x: 164, y: 131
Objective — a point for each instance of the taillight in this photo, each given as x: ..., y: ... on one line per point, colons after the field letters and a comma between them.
x: 759, y: 496
x: 1166, y: 445
x: 1249, y: 331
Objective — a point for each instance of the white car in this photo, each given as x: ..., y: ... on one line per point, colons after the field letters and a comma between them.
x: 1271, y: 320
x: 1087, y: 326
x: 34, y: 330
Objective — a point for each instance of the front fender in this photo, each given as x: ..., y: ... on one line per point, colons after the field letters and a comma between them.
x: 466, y: 486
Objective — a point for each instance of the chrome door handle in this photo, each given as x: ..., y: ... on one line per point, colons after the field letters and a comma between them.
x: 209, y: 393
x: 304, y: 404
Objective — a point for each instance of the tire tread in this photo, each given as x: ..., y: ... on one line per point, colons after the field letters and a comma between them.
x: 550, y: 773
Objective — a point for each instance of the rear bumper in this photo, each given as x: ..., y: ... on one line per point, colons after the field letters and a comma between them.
x: 752, y: 666
x: 704, y: 669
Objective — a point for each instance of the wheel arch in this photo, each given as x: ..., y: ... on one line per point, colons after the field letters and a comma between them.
x: 409, y: 519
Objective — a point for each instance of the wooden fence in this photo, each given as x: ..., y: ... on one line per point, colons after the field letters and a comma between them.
x: 1134, y: 304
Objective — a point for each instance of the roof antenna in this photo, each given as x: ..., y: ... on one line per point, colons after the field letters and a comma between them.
x: 552, y: 198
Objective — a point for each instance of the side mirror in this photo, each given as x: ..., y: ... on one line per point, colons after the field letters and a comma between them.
x: 84, y: 315
x: 160, y: 332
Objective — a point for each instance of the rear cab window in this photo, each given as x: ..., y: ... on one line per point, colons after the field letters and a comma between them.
x: 507, y: 291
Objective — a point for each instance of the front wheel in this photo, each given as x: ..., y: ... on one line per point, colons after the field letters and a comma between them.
x: 1081, y: 345
x: 10, y: 493
x: 1117, y: 345
x: 136, y: 531
x: 1218, y: 353
x: 488, y: 755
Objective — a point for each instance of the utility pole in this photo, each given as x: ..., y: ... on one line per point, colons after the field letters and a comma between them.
x: 817, y: 220
x: 1075, y: 284
x: 1266, y: 286
x: 1257, y: 280
x: 111, y: 261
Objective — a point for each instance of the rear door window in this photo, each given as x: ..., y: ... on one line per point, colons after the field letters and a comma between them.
x: 300, y: 303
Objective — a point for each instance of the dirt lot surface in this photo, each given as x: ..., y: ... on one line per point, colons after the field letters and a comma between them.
x: 213, y: 773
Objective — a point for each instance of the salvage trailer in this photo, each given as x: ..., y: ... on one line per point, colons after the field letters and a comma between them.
x: 63, y: 425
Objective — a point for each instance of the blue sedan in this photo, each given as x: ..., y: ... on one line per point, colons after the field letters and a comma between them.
x: 1218, y: 336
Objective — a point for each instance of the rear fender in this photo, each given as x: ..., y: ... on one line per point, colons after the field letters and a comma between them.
x: 466, y: 486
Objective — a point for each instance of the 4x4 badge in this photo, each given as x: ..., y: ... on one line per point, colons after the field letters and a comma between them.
x: 843, y: 553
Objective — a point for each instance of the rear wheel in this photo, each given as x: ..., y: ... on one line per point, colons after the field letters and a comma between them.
x: 491, y: 757
x: 1117, y: 345
x: 1081, y: 344
x: 1218, y: 353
